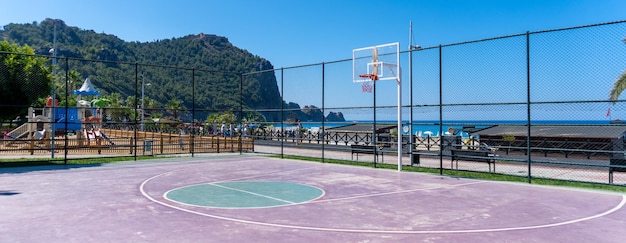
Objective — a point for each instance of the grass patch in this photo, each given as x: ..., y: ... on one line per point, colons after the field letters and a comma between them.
x: 447, y: 172
x: 469, y: 174
x: 82, y: 161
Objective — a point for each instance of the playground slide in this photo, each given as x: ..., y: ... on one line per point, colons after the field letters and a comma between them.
x: 20, y: 131
x: 20, y: 140
x: 106, y: 138
x: 92, y: 136
x: 39, y: 135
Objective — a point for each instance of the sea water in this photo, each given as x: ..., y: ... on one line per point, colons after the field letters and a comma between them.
x: 433, y: 128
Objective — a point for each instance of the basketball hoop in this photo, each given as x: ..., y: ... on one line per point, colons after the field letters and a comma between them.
x: 368, y: 82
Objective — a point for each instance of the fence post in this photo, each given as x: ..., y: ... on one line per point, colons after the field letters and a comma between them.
x: 218, y: 144
x: 161, y: 144
x: 31, y: 146
x: 98, y: 143
x: 528, y: 110
x: 190, y: 143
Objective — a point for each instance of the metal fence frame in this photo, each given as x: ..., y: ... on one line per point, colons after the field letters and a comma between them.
x: 324, y: 138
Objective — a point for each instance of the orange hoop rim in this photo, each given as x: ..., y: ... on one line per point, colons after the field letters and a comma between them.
x: 372, y: 77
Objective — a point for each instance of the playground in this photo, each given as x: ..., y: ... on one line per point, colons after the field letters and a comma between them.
x: 123, y: 142
x: 80, y: 131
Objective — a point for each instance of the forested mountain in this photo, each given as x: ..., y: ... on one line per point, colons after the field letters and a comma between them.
x: 209, y: 62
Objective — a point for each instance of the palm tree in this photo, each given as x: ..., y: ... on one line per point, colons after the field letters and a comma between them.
x: 619, y: 85
x: 175, y: 106
x: 116, y: 99
x: 101, y: 102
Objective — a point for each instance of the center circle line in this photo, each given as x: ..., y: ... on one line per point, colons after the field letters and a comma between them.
x: 617, y: 207
x: 251, y: 193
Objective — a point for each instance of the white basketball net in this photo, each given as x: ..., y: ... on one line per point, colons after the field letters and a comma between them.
x: 367, y: 86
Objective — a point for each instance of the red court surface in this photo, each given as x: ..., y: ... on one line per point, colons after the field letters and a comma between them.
x: 129, y: 202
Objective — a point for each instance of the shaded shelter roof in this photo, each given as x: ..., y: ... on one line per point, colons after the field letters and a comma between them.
x: 574, y: 131
x: 362, y: 127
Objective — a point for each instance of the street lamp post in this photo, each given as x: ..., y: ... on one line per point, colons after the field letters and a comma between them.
x: 143, y: 84
x: 53, y: 92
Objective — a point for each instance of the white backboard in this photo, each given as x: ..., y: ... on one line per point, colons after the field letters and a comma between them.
x: 376, y: 63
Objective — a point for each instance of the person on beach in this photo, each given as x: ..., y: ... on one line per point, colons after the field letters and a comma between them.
x: 298, y: 132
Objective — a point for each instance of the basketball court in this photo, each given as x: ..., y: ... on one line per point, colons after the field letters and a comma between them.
x: 252, y: 198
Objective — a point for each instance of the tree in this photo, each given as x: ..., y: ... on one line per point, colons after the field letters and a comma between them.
x: 174, y: 106
x: 116, y: 99
x: 213, y: 118
x: 59, y: 82
x: 509, y: 139
x: 116, y: 111
x: 228, y: 117
x: 212, y: 90
x: 24, y: 78
x: 619, y: 85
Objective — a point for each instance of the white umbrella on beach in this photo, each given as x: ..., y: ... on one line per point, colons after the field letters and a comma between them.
x: 428, y: 133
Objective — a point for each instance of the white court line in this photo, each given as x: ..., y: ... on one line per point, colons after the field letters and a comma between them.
x: 394, y: 192
x: 252, y: 193
x: 264, y: 174
x: 541, y: 226
x: 289, y: 203
x: 165, y: 195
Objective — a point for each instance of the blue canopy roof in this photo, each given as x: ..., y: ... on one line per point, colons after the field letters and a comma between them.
x: 87, y: 89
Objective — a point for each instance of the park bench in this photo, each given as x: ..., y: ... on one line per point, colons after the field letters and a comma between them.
x: 365, y: 149
x: 473, y: 155
x: 616, y: 165
x: 418, y: 154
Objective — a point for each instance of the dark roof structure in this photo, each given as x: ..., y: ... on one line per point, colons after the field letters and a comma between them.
x: 573, y: 131
x: 362, y: 127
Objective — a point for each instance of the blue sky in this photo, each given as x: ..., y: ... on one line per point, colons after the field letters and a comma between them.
x: 291, y: 33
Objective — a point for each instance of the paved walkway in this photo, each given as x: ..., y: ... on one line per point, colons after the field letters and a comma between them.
x: 565, y: 172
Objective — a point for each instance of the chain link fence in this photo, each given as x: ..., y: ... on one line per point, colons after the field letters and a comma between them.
x: 532, y: 105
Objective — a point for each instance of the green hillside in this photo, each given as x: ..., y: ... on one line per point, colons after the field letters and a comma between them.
x: 209, y: 62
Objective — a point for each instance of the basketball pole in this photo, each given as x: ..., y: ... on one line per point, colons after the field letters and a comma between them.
x: 374, y: 77
x: 399, y: 81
